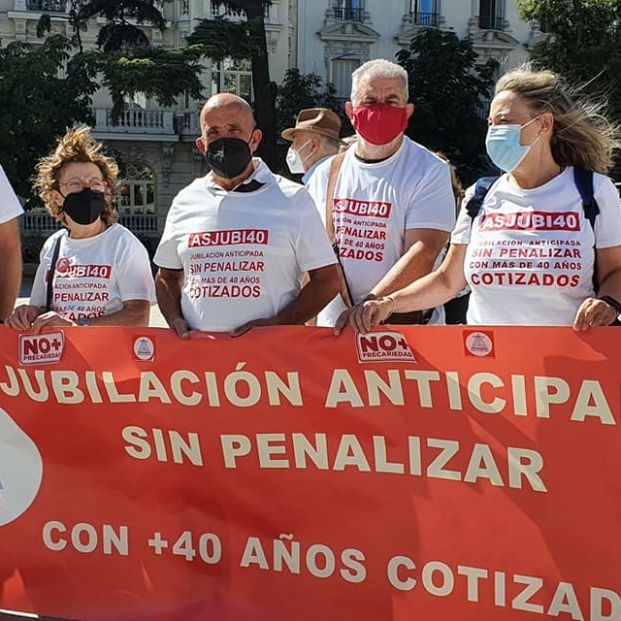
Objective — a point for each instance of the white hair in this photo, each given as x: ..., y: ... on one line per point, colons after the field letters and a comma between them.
x: 378, y: 68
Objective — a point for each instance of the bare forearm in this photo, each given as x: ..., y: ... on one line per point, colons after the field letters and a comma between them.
x: 427, y: 292
x: 168, y: 293
x: 612, y: 285
x: 125, y: 317
x: 316, y: 294
x: 10, y: 274
x: 417, y: 262
x: 435, y: 288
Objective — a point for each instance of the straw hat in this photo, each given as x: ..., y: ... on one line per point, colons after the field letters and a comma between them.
x: 316, y: 120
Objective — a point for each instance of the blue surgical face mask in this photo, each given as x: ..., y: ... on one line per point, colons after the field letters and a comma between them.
x: 503, y: 145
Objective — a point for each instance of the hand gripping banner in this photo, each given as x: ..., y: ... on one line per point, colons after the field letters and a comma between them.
x: 412, y: 473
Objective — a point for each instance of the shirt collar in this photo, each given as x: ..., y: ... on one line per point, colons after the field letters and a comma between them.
x: 257, y: 179
x: 308, y: 174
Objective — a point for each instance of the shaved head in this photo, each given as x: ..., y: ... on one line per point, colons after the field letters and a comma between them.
x: 228, y: 116
x: 229, y: 102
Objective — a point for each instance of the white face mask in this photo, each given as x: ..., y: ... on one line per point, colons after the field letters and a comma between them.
x: 295, y: 162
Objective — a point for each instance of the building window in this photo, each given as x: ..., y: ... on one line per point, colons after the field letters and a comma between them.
x: 424, y: 12
x: 232, y: 76
x: 136, y: 191
x: 136, y: 101
x: 220, y: 10
x: 340, y: 75
x: 47, y: 6
x: 349, y: 10
x: 491, y: 15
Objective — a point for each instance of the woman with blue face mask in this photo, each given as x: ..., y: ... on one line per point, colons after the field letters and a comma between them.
x: 93, y: 271
x: 530, y: 247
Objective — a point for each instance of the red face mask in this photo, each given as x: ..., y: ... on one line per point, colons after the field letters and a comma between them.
x: 379, y: 124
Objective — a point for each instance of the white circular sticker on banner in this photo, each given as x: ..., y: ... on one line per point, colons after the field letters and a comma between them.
x: 21, y: 470
x: 144, y: 348
x: 479, y: 344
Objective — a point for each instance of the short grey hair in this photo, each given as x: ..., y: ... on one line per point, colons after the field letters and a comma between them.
x: 328, y: 145
x: 378, y: 68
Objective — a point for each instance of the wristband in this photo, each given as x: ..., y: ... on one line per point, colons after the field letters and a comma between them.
x: 611, y: 302
x: 394, y: 304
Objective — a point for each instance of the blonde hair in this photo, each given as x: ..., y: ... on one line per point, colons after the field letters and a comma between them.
x: 77, y: 145
x: 582, y: 136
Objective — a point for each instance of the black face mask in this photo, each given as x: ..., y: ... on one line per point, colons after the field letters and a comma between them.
x: 84, y: 207
x: 228, y: 157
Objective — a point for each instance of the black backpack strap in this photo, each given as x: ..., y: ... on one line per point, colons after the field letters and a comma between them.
x: 481, y: 188
x: 50, y: 276
x: 584, y: 184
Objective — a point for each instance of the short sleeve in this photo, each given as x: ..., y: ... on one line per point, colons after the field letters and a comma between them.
x: 166, y: 255
x: 463, y: 226
x: 10, y: 207
x: 432, y: 204
x: 135, y: 281
x: 608, y: 221
x: 38, y: 293
x: 317, y: 186
x: 312, y: 247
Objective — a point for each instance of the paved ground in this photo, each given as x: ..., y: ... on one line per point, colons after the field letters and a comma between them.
x: 156, y: 320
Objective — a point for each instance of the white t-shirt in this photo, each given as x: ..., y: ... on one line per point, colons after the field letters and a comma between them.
x: 94, y: 276
x: 530, y: 253
x: 9, y: 204
x: 374, y: 205
x: 311, y: 176
x: 243, y: 253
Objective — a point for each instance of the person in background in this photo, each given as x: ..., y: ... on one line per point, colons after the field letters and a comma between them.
x: 388, y: 205
x: 238, y: 241
x: 535, y: 252
x: 314, y: 139
x: 93, y: 271
x: 10, y: 246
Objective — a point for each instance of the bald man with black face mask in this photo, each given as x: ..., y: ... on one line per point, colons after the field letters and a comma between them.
x: 238, y: 241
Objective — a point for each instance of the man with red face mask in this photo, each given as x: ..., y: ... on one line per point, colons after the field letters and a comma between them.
x: 389, y: 206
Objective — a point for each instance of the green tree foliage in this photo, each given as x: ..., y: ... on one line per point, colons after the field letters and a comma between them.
x: 220, y: 38
x: 55, y: 95
x: 243, y: 41
x: 119, y: 33
x: 158, y: 73
x: 61, y: 79
x: 583, y: 43
x: 447, y: 86
x: 125, y: 58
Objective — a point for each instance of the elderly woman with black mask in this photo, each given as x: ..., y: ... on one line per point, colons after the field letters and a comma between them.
x: 93, y: 271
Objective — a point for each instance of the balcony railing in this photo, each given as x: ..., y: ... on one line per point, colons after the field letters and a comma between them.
x: 40, y: 221
x: 47, y: 6
x: 491, y: 22
x: 425, y: 19
x: 188, y: 123
x: 348, y: 14
x: 135, y: 121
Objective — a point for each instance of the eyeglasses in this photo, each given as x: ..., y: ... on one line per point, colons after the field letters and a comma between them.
x: 77, y: 185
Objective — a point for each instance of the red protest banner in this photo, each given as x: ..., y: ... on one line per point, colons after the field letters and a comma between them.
x: 434, y: 473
